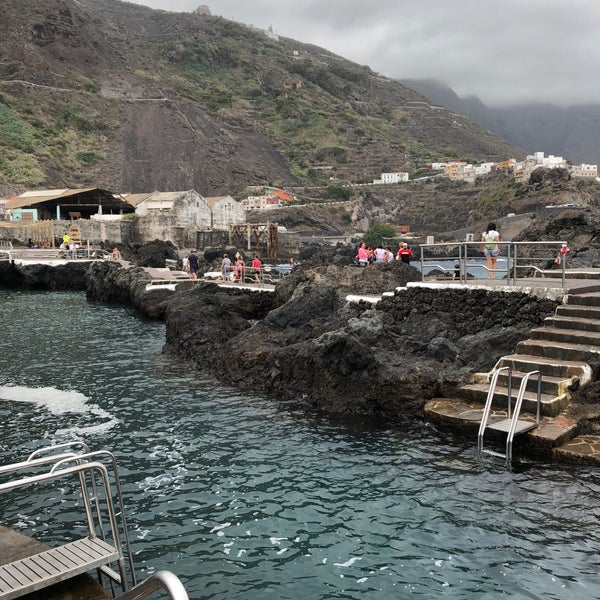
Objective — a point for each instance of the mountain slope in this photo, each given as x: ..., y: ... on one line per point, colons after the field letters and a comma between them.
x: 571, y: 132
x: 101, y: 92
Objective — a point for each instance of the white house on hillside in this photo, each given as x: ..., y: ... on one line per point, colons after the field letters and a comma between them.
x: 394, y: 177
x: 584, y: 170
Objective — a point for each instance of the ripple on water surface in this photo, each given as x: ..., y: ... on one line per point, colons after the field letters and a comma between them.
x: 246, y: 497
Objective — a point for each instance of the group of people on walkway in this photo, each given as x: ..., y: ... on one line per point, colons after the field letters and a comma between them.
x: 232, y: 269
x: 367, y: 255
x: 236, y: 270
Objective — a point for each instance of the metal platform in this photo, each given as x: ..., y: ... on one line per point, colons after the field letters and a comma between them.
x: 520, y: 426
x: 57, y: 564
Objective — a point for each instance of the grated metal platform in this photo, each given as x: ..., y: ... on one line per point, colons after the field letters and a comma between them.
x: 51, y: 566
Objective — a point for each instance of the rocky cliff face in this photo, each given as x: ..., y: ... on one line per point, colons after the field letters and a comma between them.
x: 307, y: 343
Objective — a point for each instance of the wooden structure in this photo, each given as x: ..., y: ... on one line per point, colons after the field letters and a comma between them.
x: 75, y: 234
x: 256, y: 237
x: 41, y: 233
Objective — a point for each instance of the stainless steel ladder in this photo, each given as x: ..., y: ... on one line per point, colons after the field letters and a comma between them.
x: 512, y: 425
x: 107, y: 542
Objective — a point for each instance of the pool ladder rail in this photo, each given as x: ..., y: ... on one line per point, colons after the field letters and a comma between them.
x: 512, y: 425
x: 106, y: 547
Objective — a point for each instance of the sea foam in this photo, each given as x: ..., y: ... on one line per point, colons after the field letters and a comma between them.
x: 60, y: 402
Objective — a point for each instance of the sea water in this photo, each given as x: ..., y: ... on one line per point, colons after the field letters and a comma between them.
x: 246, y: 497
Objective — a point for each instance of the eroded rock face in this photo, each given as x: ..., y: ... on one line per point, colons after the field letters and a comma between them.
x: 307, y: 342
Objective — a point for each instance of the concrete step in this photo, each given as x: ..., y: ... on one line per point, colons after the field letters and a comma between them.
x: 565, y: 369
x: 553, y: 386
x: 559, y: 350
x: 578, y: 323
x: 581, y: 311
x: 589, y: 299
x: 550, y: 405
x: 464, y: 417
x: 566, y: 336
x: 584, y: 449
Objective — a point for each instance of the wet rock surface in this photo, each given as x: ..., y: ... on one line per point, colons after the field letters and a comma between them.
x: 307, y: 342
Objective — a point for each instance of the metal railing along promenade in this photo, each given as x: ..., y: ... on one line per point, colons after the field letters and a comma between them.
x: 42, y: 254
x: 266, y: 275
x: 515, y: 260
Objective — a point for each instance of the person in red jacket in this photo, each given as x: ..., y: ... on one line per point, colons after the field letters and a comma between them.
x: 405, y: 254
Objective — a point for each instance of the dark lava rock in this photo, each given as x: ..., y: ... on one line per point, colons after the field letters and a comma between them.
x: 70, y: 276
x: 152, y: 254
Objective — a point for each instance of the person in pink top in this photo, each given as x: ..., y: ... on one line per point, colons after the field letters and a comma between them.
x: 363, y: 255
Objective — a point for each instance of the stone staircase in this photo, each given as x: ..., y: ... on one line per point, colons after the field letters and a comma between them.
x: 566, y: 350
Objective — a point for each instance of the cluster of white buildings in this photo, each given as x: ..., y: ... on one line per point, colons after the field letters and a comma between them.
x: 457, y: 170
x: 522, y: 170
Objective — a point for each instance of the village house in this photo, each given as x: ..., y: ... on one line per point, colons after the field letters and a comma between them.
x: 272, y: 198
x: 584, y: 170
x: 225, y: 211
x: 262, y: 202
x: 174, y: 216
x: 387, y: 178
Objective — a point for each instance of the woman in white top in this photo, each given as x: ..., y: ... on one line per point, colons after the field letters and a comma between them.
x: 490, y: 238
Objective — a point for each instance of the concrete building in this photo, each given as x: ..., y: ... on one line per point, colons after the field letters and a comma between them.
x: 584, y: 170
x: 225, y: 211
x: 186, y: 208
x: 394, y: 177
x: 174, y: 216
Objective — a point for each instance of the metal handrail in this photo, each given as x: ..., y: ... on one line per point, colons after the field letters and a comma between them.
x: 83, y: 252
x: 58, y: 471
x: 488, y: 404
x: 517, y: 411
x: 512, y: 258
x: 118, y: 494
x: 38, y: 462
x: 165, y: 580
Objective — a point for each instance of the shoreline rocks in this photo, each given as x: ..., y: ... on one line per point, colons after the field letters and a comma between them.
x: 305, y: 342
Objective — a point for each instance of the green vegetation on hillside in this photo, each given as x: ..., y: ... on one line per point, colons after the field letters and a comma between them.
x: 212, y: 80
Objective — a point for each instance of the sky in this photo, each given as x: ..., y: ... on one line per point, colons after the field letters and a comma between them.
x: 503, y: 51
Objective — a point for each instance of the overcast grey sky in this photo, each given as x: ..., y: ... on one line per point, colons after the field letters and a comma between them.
x: 504, y: 51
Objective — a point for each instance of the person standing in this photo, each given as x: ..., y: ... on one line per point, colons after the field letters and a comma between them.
x: 405, y: 254
x: 240, y: 269
x: 490, y: 238
x: 193, y: 264
x: 363, y: 255
x: 380, y: 254
x: 226, y: 267
x: 256, y: 268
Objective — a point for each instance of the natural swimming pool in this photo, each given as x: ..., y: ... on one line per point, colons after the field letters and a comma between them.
x: 245, y: 497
